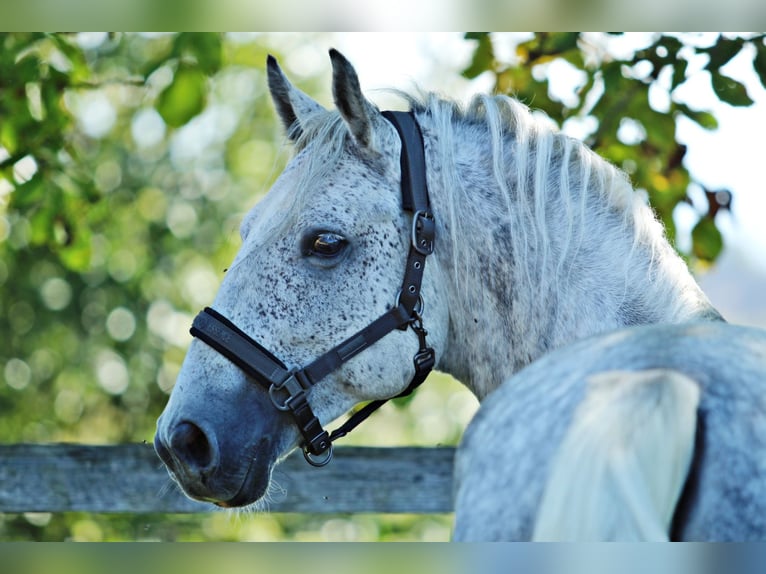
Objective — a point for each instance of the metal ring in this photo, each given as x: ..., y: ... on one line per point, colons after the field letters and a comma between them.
x: 318, y: 462
x: 419, y: 306
x: 275, y: 401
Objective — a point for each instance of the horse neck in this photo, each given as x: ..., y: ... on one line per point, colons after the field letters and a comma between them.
x: 538, y: 260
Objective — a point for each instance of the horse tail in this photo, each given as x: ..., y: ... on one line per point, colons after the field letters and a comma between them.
x: 622, y: 465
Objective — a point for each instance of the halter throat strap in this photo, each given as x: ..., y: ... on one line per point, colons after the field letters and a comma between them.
x: 288, y: 388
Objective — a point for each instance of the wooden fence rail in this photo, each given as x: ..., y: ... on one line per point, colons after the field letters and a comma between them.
x: 130, y: 478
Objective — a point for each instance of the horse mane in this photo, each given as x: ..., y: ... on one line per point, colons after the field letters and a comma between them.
x: 544, y: 178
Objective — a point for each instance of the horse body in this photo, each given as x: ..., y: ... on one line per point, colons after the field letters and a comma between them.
x: 523, y: 424
x: 539, y: 243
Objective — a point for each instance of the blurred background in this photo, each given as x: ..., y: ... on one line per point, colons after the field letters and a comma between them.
x: 128, y: 160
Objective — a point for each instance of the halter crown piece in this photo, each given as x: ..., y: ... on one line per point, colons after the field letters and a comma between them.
x: 288, y: 388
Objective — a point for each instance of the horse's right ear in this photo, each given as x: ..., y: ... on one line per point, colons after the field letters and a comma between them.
x: 291, y: 104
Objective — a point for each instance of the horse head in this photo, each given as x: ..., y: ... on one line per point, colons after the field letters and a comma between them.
x: 322, y: 256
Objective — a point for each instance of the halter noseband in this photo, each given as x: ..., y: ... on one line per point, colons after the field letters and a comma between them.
x: 288, y: 388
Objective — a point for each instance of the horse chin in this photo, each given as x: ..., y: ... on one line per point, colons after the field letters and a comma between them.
x: 253, y: 488
x: 227, y: 489
x: 217, y: 491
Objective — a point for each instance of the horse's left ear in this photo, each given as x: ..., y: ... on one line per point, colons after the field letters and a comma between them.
x: 354, y: 108
x: 290, y: 102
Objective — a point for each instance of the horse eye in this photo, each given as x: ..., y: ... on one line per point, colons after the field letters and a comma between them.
x: 327, y: 245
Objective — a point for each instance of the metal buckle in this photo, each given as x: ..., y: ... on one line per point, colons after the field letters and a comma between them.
x: 295, y: 384
x: 424, y: 360
x: 423, y: 232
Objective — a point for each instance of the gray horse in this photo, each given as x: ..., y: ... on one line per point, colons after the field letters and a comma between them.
x: 641, y: 434
x: 615, y: 402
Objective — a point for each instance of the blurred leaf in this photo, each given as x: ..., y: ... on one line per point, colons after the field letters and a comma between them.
x: 160, y: 56
x: 483, y: 55
x: 672, y: 44
x: 613, y: 77
x: 547, y: 46
x: 702, y: 118
x: 558, y: 42
x: 574, y: 57
x: 28, y: 194
x: 759, y: 63
x: 730, y: 90
x: 184, y: 98
x: 27, y: 68
x: 75, y: 57
x: 722, y: 52
x: 707, y: 242
x: 51, y: 94
x: 76, y: 255
x: 41, y: 225
x: 660, y: 129
x: 679, y: 73
x: 9, y: 138
x: 205, y: 48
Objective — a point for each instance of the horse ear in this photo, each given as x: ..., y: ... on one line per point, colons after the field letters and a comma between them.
x: 354, y: 108
x: 291, y: 104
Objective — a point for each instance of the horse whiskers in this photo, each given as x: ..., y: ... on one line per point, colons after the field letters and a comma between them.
x: 274, y: 493
x: 166, y: 488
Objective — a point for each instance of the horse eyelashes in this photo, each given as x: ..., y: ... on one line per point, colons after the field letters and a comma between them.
x: 327, y: 245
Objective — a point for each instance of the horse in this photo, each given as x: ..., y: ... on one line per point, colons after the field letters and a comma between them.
x: 615, y: 401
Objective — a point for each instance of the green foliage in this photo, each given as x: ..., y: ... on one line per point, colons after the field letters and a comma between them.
x: 759, y: 62
x: 196, y: 56
x: 730, y: 90
x: 616, y: 90
x: 707, y: 240
x: 104, y: 251
x: 184, y: 98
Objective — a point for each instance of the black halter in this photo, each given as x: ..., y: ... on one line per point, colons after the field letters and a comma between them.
x: 287, y: 388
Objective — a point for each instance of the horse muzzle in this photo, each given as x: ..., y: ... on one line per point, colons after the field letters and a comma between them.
x: 227, y: 475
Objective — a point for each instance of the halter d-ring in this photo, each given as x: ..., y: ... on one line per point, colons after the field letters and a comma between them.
x: 419, y: 306
x: 318, y: 460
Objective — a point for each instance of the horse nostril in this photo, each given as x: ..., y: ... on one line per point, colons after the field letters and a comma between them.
x: 191, y: 446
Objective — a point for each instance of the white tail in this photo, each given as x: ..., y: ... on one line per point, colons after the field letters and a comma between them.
x: 622, y: 465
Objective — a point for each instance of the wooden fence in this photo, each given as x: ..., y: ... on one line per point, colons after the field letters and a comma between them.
x: 130, y: 478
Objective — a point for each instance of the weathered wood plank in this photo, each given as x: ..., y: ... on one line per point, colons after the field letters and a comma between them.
x: 130, y: 478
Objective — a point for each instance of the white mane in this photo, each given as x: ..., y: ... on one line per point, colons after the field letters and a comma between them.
x: 553, y: 218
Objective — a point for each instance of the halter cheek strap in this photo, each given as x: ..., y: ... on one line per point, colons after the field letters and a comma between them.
x: 288, y: 388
